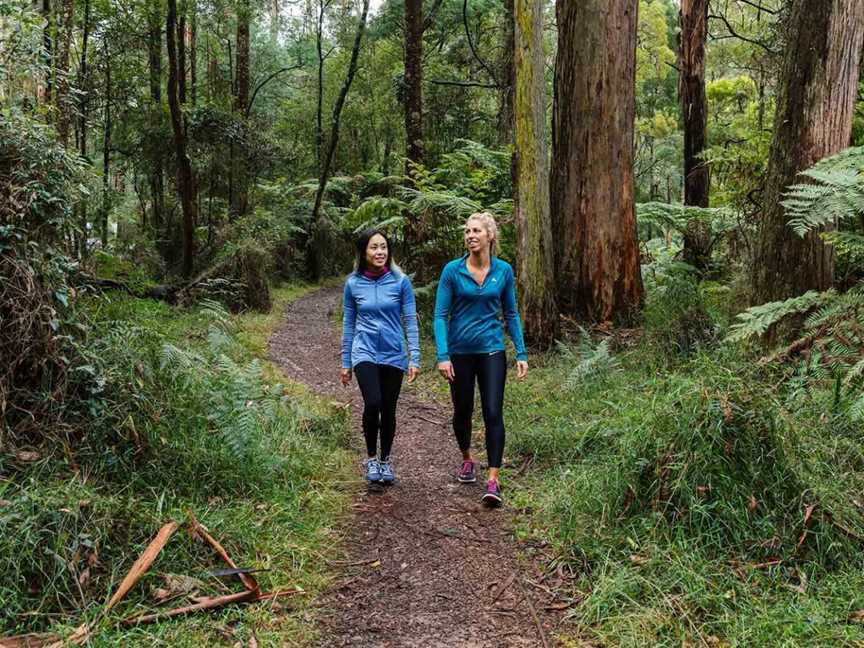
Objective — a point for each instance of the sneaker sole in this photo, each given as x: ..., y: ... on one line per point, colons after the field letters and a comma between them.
x: 492, y: 501
x: 463, y: 480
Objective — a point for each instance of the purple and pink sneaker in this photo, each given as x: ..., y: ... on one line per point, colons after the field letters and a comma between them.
x: 492, y: 496
x: 468, y: 472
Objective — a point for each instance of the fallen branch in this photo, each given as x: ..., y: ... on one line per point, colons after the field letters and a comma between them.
x: 534, y: 614
x: 248, y: 581
x: 143, y: 563
x: 206, y: 604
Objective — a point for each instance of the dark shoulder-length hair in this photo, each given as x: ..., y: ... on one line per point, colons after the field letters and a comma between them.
x: 363, y: 242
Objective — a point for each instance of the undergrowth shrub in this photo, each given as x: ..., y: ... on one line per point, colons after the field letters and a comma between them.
x: 677, y: 315
x: 43, y: 379
x: 188, y: 421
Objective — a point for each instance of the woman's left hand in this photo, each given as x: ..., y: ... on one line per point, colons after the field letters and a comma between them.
x: 521, y: 369
x: 412, y: 374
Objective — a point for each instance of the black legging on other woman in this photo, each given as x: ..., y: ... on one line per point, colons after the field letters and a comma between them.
x: 380, y: 386
x: 489, y: 370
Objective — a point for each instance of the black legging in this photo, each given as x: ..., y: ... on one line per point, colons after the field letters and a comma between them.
x: 490, y: 372
x: 380, y: 386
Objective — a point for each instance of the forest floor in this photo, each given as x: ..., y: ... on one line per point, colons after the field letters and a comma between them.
x: 427, y: 564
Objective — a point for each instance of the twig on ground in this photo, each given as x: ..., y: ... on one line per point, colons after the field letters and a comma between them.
x: 503, y: 588
x: 534, y: 615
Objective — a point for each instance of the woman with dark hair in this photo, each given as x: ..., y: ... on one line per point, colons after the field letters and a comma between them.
x: 379, y: 309
x: 473, y: 292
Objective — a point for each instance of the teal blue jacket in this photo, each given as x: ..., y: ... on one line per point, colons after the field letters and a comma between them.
x: 374, y: 311
x: 468, y: 316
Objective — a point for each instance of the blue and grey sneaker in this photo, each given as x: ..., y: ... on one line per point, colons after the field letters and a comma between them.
x: 373, y: 470
x: 387, y: 474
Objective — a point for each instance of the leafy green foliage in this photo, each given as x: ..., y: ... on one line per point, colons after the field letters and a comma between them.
x: 756, y: 320
x: 836, y: 193
x: 589, y: 361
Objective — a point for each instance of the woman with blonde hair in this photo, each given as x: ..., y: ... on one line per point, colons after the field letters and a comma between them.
x: 472, y: 293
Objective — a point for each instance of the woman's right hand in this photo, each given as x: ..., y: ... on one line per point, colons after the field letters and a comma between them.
x: 446, y: 370
x: 345, y: 377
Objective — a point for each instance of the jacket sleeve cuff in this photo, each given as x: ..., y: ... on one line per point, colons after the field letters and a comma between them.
x: 443, y: 358
x: 522, y: 356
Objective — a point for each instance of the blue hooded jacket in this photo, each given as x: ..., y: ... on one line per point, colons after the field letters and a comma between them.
x: 372, y: 323
x: 468, y: 315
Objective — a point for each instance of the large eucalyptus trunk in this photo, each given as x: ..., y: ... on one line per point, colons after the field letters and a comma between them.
x: 185, y: 179
x: 597, y: 252
x: 815, y: 106
x: 691, y: 92
x: 535, y: 261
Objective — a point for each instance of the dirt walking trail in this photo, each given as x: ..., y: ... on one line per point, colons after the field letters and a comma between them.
x: 447, y: 574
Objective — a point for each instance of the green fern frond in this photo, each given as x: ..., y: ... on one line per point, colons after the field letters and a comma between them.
x: 757, y: 320
x: 835, y: 192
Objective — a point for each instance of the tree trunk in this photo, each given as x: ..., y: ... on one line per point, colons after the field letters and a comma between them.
x: 181, y: 53
x: 319, y: 107
x: 507, y: 73
x: 185, y: 180
x: 47, y: 50
x: 691, y: 92
x: 815, y: 106
x: 83, y: 110
x: 592, y: 184
x: 414, y: 147
x: 193, y: 55
x: 320, y: 248
x: 62, y: 102
x: 241, y: 99
x: 535, y: 259
x: 106, y: 148
x: 241, y: 102
x: 157, y: 173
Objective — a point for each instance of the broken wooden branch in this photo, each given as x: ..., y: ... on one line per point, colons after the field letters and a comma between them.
x: 143, y: 563
x: 248, y: 581
x: 205, y: 604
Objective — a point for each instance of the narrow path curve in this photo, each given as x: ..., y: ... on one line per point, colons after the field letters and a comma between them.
x: 444, y: 559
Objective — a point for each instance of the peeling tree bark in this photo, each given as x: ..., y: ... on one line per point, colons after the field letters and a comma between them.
x: 593, y: 210
x: 535, y: 266
x: 815, y: 106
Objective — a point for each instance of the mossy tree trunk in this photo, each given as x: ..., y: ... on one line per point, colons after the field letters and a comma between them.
x: 535, y: 266
x: 815, y: 106
x: 693, y: 18
x: 594, y: 218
